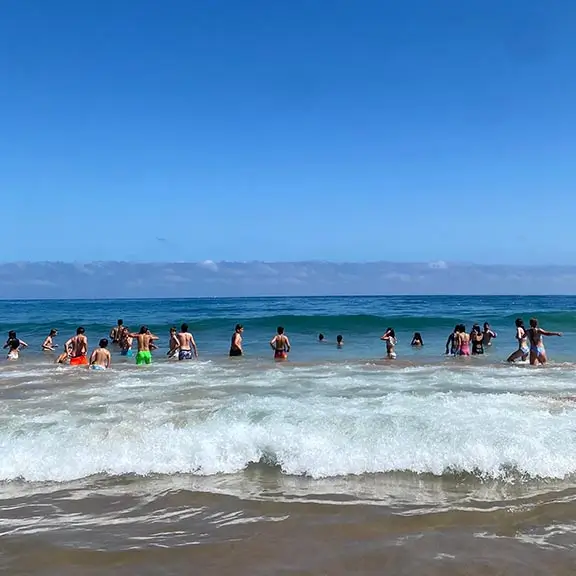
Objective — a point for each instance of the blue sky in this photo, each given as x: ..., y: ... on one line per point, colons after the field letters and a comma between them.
x: 279, y: 131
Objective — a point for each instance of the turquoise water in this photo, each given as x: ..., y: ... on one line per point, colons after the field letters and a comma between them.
x: 361, y: 321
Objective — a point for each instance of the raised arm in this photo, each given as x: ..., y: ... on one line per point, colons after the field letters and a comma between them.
x: 547, y: 333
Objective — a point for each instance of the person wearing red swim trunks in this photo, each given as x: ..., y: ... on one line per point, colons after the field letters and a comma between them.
x: 77, y: 348
x: 280, y: 344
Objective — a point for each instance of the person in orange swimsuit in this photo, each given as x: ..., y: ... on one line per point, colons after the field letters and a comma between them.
x: 77, y: 348
x: 280, y: 344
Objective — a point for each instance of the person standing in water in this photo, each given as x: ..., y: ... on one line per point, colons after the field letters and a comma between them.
x: 48, y: 344
x: 100, y: 359
x: 339, y: 341
x: 320, y: 337
x: 116, y: 332
x: 173, y: 343
x: 522, y: 338
x: 125, y: 342
x: 236, y: 341
x: 537, y: 350
x: 477, y: 339
x: 77, y: 348
x: 280, y: 344
x: 451, y: 342
x: 488, y: 335
x: 187, y: 346
x: 13, y: 349
x: 390, y: 338
x: 11, y: 338
x: 417, y: 340
x: 145, y: 340
x: 462, y: 341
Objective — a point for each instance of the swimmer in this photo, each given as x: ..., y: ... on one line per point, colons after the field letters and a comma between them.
x: 116, y: 332
x: 48, y: 344
x: 417, y: 340
x: 187, y: 346
x: 173, y: 343
x: 280, y: 344
x: 100, y: 358
x: 488, y: 335
x: 451, y: 342
x: 236, y: 342
x: 537, y: 350
x: 125, y: 341
x: 320, y: 337
x: 11, y: 337
x: 477, y: 339
x: 390, y: 338
x: 64, y: 358
x: 523, y: 348
x: 14, y: 349
x: 339, y: 341
x: 77, y: 348
x: 462, y: 341
x: 145, y: 341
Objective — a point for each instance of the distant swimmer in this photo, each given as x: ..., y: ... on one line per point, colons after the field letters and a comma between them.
x: 13, y: 349
x: 100, y: 358
x: 116, y: 332
x: 77, y: 348
x: 462, y: 340
x: 320, y: 337
x: 537, y: 350
x: 236, y: 341
x: 125, y: 342
x: 339, y: 341
x: 488, y: 335
x: 48, y: 344
x: 173, y: 344
x: 390, y: 338
x: 145, y: 341
x: 451, y: 346
x: 417, y: 340
x: 523, y: 347
x: 280, y: 344
x: 187, y: 349
x: 11, y: 338
x: 477, y: 339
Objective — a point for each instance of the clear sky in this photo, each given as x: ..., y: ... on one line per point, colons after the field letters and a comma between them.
x: 267, y: 130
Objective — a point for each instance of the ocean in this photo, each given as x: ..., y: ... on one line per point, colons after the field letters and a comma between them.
x: 336, y: 462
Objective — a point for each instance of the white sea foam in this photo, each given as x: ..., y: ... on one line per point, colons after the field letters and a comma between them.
x: 319, y: 421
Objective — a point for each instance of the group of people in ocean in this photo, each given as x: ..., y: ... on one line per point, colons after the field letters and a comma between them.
x: 182, y: 345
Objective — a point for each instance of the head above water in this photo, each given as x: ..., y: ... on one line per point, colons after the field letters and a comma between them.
x: 533, y: 323
x: 11, y: 334
x: 320, y: 337
x: 417, y: 336
x: 239, y: 328
x: 339, y: 338
x: 280, y: 330
x: 143, y: 329
x: 104, y: 343
x: 390, y: 332
x: 184, y: 327
x: 53, y: 332
x: 476, y: 328
x: 173, y: 330
x: 120, y: 322
x: 519, y: 323
x: 461, y: 328
x: 486, y: 326
x: 80, y: 330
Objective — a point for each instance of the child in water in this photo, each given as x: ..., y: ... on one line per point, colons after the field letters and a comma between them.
x: 100, y: 359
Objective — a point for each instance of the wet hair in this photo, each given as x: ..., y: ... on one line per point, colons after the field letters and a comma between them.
x: 238, y: 327
x: 53, y: 332
x: 173, y: 329
x: 390, y: 332
x: 120, y: 322
x: 104, y: 343
x: 80, y: 330
x: 519, y: 323
x: 320, y: 336
x: 14, y: 343
x: 143, y: 329
x: 418, y: 337
x: 461, y: 328
x: 533, y: 323
x: 184, y: 327
x: 476, y: 328
x: 280, y: 330
x: 11, y: 334
x: 339, y: 338
x: 486, y: 325
x: 457, y: 328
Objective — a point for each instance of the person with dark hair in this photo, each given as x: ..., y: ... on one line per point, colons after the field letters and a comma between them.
x: 173, y: 343
x: 488, y: 335
x: 339, y: 341
x: 236, y: 342
x: 537, y: 350
x: 77, y: 348
x: 48, y: 344
x: 451, y: 342
x: 11, y: 338
x: 125, y: 341
x: 477, y: 339
x: 390, y: 338
x: 522, y: 337
x: 417, y: 340
x: 462, y: 341
x: 145, y: 340
x: 280, y: 344
x: 320, y: 337
x: 100, y: 358
x: 116, y: 332
x: 13, y: 349
x: 187, y: 344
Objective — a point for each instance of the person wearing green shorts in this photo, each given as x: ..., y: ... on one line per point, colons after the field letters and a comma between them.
x: 144, y: 357
x: 145, y: 341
